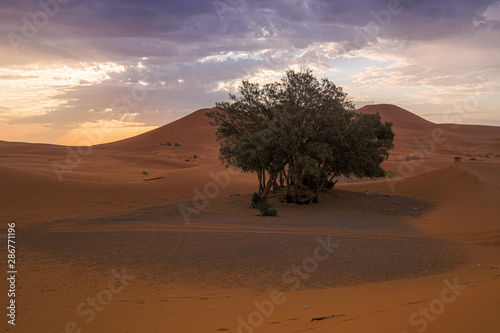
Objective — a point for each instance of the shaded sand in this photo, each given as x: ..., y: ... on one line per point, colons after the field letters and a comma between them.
x: 227, y: 249
x: 392, y: 260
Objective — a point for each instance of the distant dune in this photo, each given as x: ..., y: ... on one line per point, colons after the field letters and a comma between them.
x: 192, y: 131
x: 400, y: 117
x: 118, y: 167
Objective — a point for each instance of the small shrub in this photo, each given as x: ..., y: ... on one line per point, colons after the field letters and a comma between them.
x: 145, y: 173
x: 266, y: 210
x: 473, y: 159
x: 176, y: 144
x: 169, y: 144
x: 390, y: 174
x: 262, y: 206
x: 256, y: 201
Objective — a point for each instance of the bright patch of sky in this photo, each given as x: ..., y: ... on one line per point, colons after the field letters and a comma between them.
x: 158, y: 61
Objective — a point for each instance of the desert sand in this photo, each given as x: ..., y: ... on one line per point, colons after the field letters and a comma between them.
x: 141, y: 236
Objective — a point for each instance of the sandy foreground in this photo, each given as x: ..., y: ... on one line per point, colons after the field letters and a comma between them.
x: 104, y: 247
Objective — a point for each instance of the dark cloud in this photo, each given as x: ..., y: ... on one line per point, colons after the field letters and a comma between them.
x: 120, y: 30
x: 172, y: 37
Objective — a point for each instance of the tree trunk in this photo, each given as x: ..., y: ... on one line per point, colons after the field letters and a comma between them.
x: 288, y: 189
x: 334, y: 183
x: 270, y: 182
x: 276, y: 187
x: 295, y: 194
x: 261, y: 187
x: 263, y: 178
x: 316, y: 193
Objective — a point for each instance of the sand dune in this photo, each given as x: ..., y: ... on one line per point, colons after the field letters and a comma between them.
x: 400, y: 117
x: 105, y: 212
x: 191, y: 131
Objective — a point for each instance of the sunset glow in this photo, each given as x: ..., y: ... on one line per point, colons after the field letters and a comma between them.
x: 68, y: 65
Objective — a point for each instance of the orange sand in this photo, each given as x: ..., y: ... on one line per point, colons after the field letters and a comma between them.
x: 57, y: 274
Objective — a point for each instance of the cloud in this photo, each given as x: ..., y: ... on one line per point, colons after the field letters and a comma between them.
x: 180, y: 56
x: 114, y: 123
x: 452, y: 62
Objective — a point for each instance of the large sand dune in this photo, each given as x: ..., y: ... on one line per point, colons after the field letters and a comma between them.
x: 401, y: 241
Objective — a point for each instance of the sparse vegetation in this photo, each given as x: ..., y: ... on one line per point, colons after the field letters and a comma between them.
x: 177, y: 144
x: 262, y: 205
x: 145, y: 173
x: 299, y: 128
x: 473, y: 159
x: 169, y: 144
x: 390, y: 174
x: 266, y: 210
x: 257, y: 200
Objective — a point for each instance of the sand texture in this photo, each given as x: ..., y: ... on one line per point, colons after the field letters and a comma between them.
x: 141, y: 236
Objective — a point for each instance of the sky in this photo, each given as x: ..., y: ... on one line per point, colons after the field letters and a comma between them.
x: 73, y: 72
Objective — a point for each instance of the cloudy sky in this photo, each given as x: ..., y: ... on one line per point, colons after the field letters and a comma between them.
x: 122, y: 67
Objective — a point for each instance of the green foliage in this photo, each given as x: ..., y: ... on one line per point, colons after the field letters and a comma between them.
x: 266, y: 210
x: 176, y: 144
x: 473, y: 159
x: 169, y: 144
x: 303, y: 129
x: 261, y: 204
x: 145, y: 173
x: 257, y: 200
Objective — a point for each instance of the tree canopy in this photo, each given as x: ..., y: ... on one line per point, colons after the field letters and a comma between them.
x: 301, y: 132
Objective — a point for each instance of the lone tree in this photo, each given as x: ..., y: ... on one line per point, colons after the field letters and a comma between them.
x: 300, y: 132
